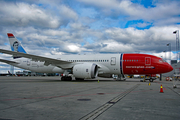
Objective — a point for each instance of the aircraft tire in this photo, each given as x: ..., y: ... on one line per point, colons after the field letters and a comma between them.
x: 79, y: 79
x: 69, y: 78
x: 151, y: 80
x: 63, y: 78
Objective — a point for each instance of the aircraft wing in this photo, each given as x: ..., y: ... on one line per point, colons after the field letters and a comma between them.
x: 8, y: 62
x: 48, y: 61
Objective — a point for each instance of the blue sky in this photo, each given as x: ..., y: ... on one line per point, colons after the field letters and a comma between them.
x: 59, y: 27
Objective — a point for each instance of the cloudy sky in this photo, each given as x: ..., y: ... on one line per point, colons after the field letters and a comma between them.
x: 59, y: 27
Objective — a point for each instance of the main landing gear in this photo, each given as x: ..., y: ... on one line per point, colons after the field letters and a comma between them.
x: 66, y: 78
x: 79, y: 79
x: 69, y: 78
x: 151, y: 80
x: 121, y: 77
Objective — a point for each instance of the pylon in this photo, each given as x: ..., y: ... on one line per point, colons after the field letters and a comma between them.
x: 161, y: 90
x: 149, y: 84
x: 98, y: 81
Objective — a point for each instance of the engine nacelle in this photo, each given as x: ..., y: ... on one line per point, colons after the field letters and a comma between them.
x: 85, y: 71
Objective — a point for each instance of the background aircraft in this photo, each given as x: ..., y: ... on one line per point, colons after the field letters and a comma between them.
x: 86, y: 66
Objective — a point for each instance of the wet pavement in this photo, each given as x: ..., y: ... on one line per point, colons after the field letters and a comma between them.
x: 35, y: 98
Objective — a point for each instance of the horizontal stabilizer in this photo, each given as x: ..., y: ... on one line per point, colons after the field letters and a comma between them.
x: 48, y: 61
x: 8, y: 62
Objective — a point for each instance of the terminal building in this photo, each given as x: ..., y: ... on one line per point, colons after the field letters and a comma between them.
x: 28, y: 73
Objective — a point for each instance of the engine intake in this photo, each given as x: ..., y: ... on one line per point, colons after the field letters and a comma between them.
x: 85, y: 71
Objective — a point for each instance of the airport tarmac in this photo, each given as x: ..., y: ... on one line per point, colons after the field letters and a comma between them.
x: 44, y: 98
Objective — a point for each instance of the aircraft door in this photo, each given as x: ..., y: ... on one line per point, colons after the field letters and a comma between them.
x: 113, y: 61
x: 147, y: 60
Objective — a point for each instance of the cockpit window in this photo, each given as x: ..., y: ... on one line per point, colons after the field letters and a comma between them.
x: 161, y: 60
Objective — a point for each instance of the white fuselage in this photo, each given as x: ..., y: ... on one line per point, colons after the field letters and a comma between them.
x: 108, y: 63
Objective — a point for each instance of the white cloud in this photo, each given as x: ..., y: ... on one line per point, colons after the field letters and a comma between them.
x: 55, y: 51
x: 53, y: 32
x: 113, y: 46
x: 104, y: 4
x: 67, y: 12
x: 167, y: 11
x: 22, y: 14
x: 149, y: 35
x: 142, y: 25
x: 73, y: 48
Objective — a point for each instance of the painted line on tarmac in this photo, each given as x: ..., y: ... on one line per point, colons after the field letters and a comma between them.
x: 62, y: 96
x: 94, y: 114
x: 174, y: 90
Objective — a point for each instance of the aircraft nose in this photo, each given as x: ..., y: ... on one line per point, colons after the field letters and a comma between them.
x: 170, y: 68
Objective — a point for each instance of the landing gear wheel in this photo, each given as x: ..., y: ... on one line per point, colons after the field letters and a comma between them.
x: 151, y: 80
x: 62, y: 78
x: 79, y: 79
x: 68, y: 78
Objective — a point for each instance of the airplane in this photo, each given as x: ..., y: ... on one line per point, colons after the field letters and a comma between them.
x: 86, y: 66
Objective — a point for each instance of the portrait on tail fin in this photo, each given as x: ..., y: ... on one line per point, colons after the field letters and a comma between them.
x: 15, y: 46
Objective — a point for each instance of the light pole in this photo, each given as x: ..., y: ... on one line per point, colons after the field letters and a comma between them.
x: 165, y: 55
x: 169, y: 45
x: 177, y: 43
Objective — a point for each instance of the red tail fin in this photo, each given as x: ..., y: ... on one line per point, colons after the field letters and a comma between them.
x: 10, y: 35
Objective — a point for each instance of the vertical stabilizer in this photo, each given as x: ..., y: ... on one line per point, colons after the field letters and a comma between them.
x: 15, y: 45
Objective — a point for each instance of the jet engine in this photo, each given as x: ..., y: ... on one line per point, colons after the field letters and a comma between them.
x: 85, y: 71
